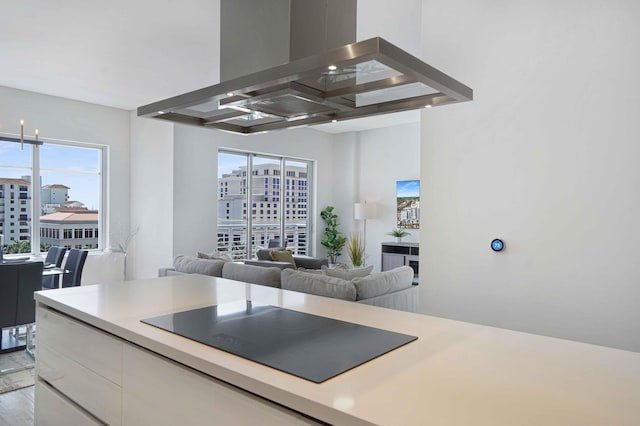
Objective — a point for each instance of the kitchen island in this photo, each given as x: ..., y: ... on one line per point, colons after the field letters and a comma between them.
x: 97, y: 362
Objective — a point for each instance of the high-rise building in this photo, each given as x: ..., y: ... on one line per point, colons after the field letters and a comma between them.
x: 274, y: 197
x: 15, y: 209
x: 63, y: 222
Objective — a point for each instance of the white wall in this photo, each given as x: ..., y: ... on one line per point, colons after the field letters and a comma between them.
x: 397, y: 21
x: 195, y: 176
x: 545, y: 157
x: 151, y: 197
x: 64, y: 119
x: 383, y: 157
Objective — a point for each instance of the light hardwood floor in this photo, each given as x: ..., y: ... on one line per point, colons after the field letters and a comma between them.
x: 16, y: 407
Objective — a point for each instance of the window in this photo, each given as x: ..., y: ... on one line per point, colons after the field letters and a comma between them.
x: 70, y: 177
x: 239, y: 233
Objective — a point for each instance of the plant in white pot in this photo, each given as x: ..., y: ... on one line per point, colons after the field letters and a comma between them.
x: 399, y: 234
x: 333, y: 239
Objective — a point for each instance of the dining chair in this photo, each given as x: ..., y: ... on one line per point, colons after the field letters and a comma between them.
x: 29, y: 281
x: 8, y: 297
x: 55, y: 255
x: 275, y: 243
x: 17, y: 307
x: 74, y: 264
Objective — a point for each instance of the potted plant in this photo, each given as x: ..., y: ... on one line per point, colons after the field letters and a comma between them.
x: 355, y: 247
x: 333, y: 239
x: 399, y: 234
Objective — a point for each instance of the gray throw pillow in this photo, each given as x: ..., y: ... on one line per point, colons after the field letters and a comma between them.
x: 193, y: 265
x: 320, y: 285
x: 383, y: 282
x: 347, y: 274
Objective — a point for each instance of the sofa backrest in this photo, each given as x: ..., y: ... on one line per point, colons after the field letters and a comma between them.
x: 320, y: 285
x: 269, y: 276
x: 383, y: 282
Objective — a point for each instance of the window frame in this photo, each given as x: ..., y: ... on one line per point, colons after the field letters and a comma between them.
x: 36, y: 186
x: 249, y: 189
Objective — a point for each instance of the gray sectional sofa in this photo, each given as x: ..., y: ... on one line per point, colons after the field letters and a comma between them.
x: 390, y: 289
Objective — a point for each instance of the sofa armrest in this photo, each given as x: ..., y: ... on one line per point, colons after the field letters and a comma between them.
x: 401, y: 300
x: 168, y: 272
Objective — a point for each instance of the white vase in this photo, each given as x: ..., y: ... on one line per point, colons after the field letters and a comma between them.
x: 398, y: 239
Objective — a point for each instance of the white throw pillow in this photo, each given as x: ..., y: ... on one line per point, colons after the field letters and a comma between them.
x: 218, y: 255
x: 347, y: 274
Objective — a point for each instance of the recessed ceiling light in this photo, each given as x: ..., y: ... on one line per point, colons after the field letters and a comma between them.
x: 332, y: 67
x: 229, y: 94
x: 334, y: 121
x: 160, y: 112
x: 427, y: 106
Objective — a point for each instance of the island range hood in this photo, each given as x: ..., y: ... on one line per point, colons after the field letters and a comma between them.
x: 355, y: 80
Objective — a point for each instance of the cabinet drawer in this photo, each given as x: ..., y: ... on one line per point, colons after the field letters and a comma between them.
x: 54, y: 409
x: 159, y: 392
x: 97, y: 351
x: 89, y: 390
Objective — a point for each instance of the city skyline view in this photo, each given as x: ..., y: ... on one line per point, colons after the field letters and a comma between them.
x: 75, y: 167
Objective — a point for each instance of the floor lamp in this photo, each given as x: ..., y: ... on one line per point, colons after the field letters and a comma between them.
x: 364, y: 211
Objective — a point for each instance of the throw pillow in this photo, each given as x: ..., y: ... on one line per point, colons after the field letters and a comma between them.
x: 320, y: 285
x: 193, y: 265
x: 220, y: 255
x: 347, y: 274
x: 283, y: 256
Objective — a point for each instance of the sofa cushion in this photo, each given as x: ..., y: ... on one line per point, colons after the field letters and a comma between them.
x: 311, y: 271
x: 347, y: 274
x: 220, y: 255
x: 320, y: 285
x: 193, y: 265
x: 264, y: 254
x: 283, y: 256
x: 383, y: 282
x: 251, y: 274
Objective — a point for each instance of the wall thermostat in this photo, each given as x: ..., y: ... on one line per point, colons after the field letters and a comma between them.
x: 497, y: 245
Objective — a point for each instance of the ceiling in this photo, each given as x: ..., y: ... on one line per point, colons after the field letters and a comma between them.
x: 122, y: 54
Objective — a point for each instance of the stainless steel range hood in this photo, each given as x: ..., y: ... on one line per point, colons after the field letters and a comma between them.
x: 357, y: 80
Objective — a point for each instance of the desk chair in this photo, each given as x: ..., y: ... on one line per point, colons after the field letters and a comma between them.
x: 74, y: 264
x: 55, y: 255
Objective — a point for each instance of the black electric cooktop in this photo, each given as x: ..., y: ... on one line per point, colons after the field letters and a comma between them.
x: 308, y: 346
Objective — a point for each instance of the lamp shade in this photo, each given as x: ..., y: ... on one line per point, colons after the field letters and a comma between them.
x: 364, y: 211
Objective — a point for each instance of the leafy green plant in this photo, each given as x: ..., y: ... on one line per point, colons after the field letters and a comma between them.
x: 355, y: 247
x: 398, y: 233
x: 333, y: 239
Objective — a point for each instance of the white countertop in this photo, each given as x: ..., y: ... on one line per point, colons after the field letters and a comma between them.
x: 456, y: 373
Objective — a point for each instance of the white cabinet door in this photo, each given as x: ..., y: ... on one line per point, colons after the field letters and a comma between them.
x: 157, y: 391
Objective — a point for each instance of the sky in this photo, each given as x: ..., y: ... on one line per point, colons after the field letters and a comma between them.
x: 71, y: 166
x: 408, y: 188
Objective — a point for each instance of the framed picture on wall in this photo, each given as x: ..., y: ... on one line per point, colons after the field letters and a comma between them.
x: 408, y: 204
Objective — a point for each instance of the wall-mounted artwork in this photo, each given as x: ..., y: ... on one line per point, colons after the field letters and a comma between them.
x: 408, y: 202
